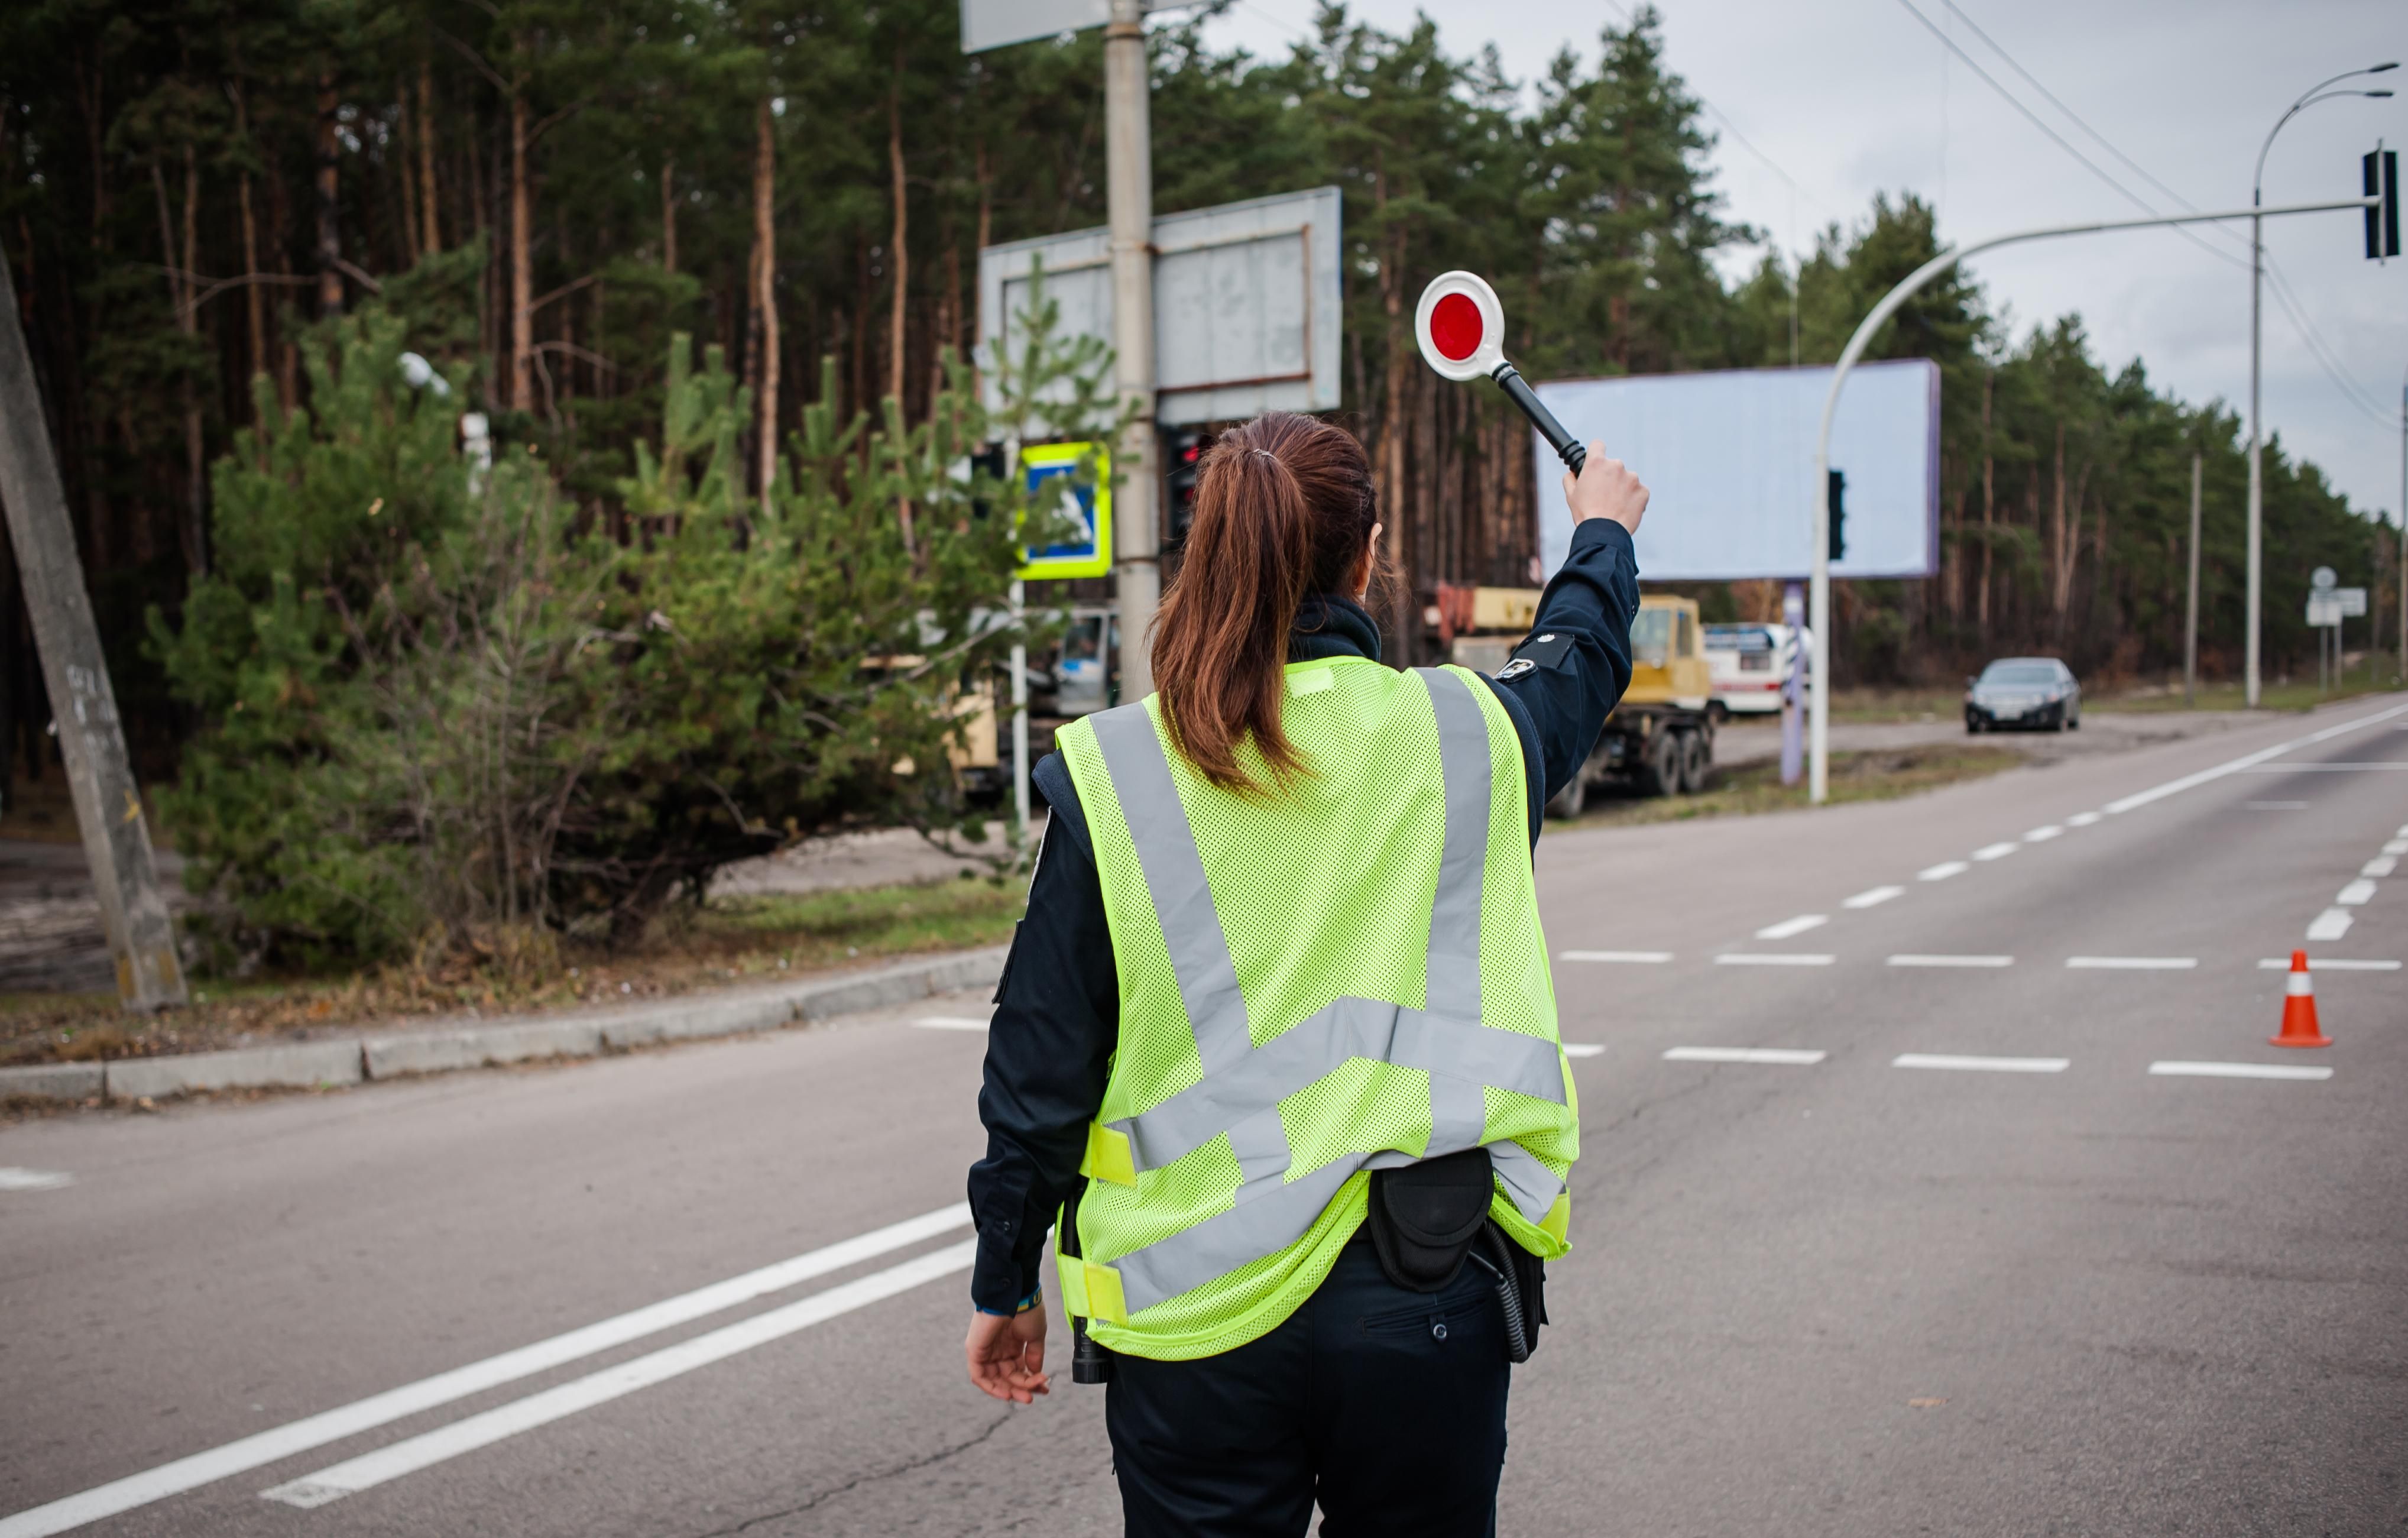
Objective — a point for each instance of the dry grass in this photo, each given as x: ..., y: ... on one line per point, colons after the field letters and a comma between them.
x: 1874, y: 776
x: 735, y: 940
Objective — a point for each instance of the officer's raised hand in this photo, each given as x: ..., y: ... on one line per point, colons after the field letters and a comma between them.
x: 1007, y: 1354
x: 1606, y: 489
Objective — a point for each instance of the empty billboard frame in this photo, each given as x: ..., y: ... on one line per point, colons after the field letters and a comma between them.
x: 1246, y: 311
x: 1729, y: 458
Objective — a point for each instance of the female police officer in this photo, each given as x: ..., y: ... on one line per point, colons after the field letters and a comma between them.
x: 1276, y: 1039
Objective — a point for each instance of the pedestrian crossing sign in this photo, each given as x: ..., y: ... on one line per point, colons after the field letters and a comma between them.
x: 1086, y: 548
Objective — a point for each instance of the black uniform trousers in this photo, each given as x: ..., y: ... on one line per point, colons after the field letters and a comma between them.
x: 1386, y: 1407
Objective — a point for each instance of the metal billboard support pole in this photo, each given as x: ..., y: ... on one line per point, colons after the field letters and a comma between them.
x: 1819, y: 735
x: 1128, y: 159
x: 108, y: 802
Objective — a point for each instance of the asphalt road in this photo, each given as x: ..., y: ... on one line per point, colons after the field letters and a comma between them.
x: 1824, y: 1294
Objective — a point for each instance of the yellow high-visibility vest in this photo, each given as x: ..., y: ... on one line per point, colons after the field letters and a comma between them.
x: 1341, y: 974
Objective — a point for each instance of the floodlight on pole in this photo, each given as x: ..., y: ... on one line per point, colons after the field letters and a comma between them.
x: 2256, y: 585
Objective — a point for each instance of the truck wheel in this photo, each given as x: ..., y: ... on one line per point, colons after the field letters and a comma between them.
x: 1659, y: 772
x: 1572, y: 800
x: 1697, y: 762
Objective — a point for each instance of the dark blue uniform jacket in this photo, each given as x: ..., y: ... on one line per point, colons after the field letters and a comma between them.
x: 1057, y: 1015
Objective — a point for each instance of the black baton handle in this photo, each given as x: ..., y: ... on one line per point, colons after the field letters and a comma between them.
x: 1517, y: 389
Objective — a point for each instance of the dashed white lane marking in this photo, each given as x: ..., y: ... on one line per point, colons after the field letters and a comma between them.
x: 483, y: 1431
x: 1637, y: 958
x: 2132, y: 963
x: 14, y: 1177
x: 2250, y: 761
x: 1772, y: 958
x: 2354, y: 893
x: 2332, y: 923
x: 1952, y: 961
x: 2397, y: 846
x: 2041, y: 835
x: 1996, y: 850
x: 949, y: 1022
x: 2382, y: 865
x: 2083, y: 819
x: 1980, y: 1065
x: 1783, y: 1056
x: 299, y: 1436
x: 1941, y: 871
x: 1873, y: 897
x: 1581, y: 1049
x: 1789, y: 927
x: 2274, y: 806
x: 2240, y: 1070
x: 2325, y: 964
x: 2403, y: 831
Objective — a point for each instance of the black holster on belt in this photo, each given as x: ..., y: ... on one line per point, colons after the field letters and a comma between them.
x: 1428, y: 1218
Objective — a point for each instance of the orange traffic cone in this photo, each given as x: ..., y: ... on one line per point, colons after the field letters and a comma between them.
x: 2299, y: 1009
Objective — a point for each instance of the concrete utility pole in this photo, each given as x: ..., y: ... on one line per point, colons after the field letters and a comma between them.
x: 2402, y: 658
x: 108, y: 804
x: 1819, y: 596
x: 2190, y: 614
x: 1128, y: 164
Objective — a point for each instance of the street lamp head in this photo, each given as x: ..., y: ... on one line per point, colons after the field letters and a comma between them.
x: 2378, y: 92
x: 2380, y: 68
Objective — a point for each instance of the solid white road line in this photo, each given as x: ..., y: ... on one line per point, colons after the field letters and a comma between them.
x: 1941, y: 871
x: 299, y: 1436
x: 1996, y: 850
x: 2239, y: 1070
x: 1581, y: 1049
x: 483, y: 1431
x: 2274, y: 806
x: 2248, y: 761
x: 2332, y: 923
x: 2083, y: 819
x: 949, y: 1022
x: 1772, y: 958
x: 2357, y: 892
x: 1785, y: 1056
x: 1636, y: 958
x: 1952, y: 961
x: 1873, y: 897
x: 2328, y: 768
x: 2382, y: 865
x: 1980, y: 1065
x: 1789, y: 927
x: 2132, y: 963
x: 2041, y: 835
x: 18, y: 1178
x: 2325, y: 964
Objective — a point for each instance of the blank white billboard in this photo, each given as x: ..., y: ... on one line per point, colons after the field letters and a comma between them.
x: 1729, y: 458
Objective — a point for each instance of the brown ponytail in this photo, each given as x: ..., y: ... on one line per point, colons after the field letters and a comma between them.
x: 1284, y: 509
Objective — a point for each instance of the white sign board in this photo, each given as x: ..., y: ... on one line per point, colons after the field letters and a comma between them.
x: 2352, y: 600
x: 1246, y: 313
x: 993, y: 23
x: 1729, y: 460
x: 2324, y: 608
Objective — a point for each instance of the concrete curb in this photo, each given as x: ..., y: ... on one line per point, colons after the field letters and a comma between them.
x: 308, y: 1065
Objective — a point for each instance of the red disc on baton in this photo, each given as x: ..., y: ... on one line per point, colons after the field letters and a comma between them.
x: 1460, y: 326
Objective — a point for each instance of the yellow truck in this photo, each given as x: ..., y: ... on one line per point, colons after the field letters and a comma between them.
x: 1660, y: 739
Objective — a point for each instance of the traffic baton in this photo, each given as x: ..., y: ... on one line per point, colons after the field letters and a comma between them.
x: 1461, y: 328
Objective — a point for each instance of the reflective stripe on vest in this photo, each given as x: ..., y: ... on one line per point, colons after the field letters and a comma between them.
x: 1243, y: 1084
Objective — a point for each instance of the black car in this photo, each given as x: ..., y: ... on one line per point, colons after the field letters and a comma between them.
x: 2035, y: 692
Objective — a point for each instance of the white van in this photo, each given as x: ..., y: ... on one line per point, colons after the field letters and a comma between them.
x: 1749, y: 662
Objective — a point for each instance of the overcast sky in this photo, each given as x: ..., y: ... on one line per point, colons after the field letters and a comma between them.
x: 1851, y: 97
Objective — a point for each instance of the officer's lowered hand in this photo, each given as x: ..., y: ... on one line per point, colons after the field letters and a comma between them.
x: 1605, y: 488
x: 1006, y: 1354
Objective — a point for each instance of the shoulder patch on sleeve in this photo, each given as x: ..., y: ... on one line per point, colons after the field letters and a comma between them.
x: 1515, y: 669
x: 1546, y: 649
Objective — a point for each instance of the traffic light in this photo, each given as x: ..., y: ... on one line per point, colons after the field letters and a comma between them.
x: 1184, y: 458
x: 1839, y: 515
x: 2382, y: 168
